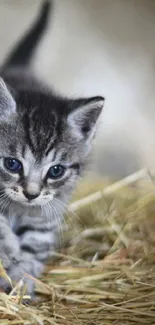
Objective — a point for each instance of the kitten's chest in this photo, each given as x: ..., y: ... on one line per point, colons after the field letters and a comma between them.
x: 17, y: 220
x: 19, y: 217
x: 13, y: 222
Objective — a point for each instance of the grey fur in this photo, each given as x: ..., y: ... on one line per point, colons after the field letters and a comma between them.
x: 40, y: 129
x: 43, y: 130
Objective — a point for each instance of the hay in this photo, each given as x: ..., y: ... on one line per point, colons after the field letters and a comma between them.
x: 105, y: 273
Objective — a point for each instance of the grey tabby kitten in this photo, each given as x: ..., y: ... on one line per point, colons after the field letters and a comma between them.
x: 44, y: 142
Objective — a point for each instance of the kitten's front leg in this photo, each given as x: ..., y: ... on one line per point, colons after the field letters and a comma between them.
x: 36, y: 241
x: 9, y: 249
x: 26, y: 263
x: 24, y: 252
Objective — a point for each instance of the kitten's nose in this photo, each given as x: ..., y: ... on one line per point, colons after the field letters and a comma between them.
x: 30, y: 196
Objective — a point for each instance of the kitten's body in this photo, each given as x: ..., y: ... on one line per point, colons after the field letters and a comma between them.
x: 44, y: 134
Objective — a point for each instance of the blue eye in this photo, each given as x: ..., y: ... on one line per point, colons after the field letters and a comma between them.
x: 56, y: 171
x: 13, y: 165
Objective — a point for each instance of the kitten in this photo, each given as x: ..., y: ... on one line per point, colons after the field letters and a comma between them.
x: 44, y: 143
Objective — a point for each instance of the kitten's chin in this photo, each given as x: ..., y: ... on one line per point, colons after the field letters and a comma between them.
x: 32, y: 204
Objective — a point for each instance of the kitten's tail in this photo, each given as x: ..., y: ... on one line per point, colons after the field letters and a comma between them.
x: 23, y: 51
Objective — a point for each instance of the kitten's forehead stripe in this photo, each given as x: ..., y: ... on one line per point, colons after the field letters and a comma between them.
x: 50, y: 157
x: 12, y: 148
x: 40, y: 132
x: 26, y: 124
x: 23, y: 150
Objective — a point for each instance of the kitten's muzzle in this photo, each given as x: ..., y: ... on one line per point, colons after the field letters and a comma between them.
x: 30, y: 196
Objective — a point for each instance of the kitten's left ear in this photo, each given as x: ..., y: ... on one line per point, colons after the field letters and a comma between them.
x: 84, y: 117
x: 7, y: 103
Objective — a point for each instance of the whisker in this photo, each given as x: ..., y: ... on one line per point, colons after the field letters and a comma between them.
x: 58, y: 221
x: 71, y: 220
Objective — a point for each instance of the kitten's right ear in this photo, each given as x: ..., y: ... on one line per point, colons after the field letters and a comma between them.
x: 7, y: 103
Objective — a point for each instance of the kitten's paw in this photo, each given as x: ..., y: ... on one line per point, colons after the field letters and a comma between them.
x: 24, y: 285
x: 5, y: 285
x: 20, y: 283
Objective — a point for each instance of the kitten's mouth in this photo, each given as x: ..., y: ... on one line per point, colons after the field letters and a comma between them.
x: 32, y: 203
x: 27, y: 203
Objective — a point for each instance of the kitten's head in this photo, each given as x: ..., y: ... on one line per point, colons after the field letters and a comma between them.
x: 44, y: 143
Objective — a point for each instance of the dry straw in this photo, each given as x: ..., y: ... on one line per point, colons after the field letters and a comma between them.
x: 105, y: 273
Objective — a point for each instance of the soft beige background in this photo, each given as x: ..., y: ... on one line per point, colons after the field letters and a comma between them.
x: 99, y: 47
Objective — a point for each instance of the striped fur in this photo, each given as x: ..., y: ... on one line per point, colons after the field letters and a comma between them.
x: 43, y: 131
x: 40, y: 129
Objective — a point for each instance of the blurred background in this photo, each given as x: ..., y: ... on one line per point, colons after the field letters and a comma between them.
x: 98, y: 47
